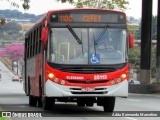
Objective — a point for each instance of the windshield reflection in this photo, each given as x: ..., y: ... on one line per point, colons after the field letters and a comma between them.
x: 63, y: 47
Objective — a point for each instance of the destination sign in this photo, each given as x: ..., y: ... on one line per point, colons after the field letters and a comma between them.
x: 97, y: 17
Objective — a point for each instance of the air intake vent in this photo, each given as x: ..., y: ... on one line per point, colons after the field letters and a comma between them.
x: 87, y: 69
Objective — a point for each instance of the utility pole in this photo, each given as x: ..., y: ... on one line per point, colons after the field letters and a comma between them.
x: 146, y: 41
x: 158, y: 44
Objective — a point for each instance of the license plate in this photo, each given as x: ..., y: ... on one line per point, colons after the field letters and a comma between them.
x: 88, y: 89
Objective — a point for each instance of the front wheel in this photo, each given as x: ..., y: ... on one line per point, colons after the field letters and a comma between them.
x: 48, y: 103
x: 108, y: 104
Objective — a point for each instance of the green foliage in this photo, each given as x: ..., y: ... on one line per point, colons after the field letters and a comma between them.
x: 2, y: 21
x: 135, y: 57
x: 154, y: 27
x: 109, y: 4
x: 25, y: 6
x: 9, y: 30
x: 153, y: 32
x: 2, y: 118
x: 132, y: 29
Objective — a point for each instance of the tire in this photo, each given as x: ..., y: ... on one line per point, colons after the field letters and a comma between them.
x: 39, y: 101
x: 32, y: 100
x: 89, y: 104
x: 48, y: 103
x: 108, y: 104
x: 80, y: 103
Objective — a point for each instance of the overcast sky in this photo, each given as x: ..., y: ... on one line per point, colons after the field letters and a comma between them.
x: 42, y: 6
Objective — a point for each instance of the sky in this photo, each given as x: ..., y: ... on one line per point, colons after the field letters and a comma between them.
x: 42, y: 6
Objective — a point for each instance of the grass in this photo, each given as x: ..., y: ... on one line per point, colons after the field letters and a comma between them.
x: 2, y: 118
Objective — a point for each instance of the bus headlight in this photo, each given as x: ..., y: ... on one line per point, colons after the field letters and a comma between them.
x: 113, y: 82
x: 119, y: 80
x: 62, y: 82
x: 55, y: 80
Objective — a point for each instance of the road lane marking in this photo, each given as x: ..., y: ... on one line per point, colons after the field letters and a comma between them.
x: 130, y: 118
x: 149, y: 95
x: 135, y: 100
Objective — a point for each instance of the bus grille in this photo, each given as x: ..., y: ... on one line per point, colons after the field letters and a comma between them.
x: 84, y: 82
x: 87, y: 69
x: 96, y: 91
x: 89, y: 92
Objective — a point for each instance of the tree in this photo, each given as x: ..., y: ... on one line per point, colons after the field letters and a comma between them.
x: 154, y: 27
x: 14, y: 51
x: 153, y: 32
x: 10, y: 30
x: 109, y: 4
x: 25, y: 6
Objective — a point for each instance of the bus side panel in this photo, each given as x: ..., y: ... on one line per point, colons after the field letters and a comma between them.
x: 34, y: 70
x: 31, y: 75
x: 38, y: 75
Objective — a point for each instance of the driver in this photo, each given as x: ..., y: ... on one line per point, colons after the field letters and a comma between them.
x: 106, y: 42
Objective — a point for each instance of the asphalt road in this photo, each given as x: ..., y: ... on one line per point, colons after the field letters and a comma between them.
x: 12, y: 98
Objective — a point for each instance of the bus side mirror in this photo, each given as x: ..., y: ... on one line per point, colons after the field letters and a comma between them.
x: 131, y: 40
x: 44, y: 36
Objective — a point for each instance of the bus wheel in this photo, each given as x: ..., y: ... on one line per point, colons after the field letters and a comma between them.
x: 89, y: 104
x: 39, y: 101
x: 80, y: 102
x: 32, y: 100
x: 108, y: 104
x: 48, y: 103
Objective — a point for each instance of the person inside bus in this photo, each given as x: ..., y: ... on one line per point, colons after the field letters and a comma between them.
x: 108, y: 45
x: 105, y: 43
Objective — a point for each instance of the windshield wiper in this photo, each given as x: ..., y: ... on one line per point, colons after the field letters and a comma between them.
x: 101, y: 35
x: 74, y: 34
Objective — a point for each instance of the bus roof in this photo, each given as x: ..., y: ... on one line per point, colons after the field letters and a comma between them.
x: 100, y: 9
x: 45, y: 16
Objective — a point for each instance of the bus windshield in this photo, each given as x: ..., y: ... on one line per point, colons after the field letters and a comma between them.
x: 98, y: 46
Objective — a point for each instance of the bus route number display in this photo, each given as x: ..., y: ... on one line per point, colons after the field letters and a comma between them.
x: 87, y: 18
x: 84, y: 18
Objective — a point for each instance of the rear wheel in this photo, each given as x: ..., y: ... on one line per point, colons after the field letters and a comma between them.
x: 108, y: 104
x: 32, y: 100
x: 39, y: 101
x: 48, y: 103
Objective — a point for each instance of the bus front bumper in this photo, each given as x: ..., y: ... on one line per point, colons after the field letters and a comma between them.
x: 55, y: 90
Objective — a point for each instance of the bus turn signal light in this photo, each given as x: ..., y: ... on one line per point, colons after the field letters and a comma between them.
x: 51, y: 75
x: 124, y: 76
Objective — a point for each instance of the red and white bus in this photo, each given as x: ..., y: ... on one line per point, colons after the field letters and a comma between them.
x: 77, y: 55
